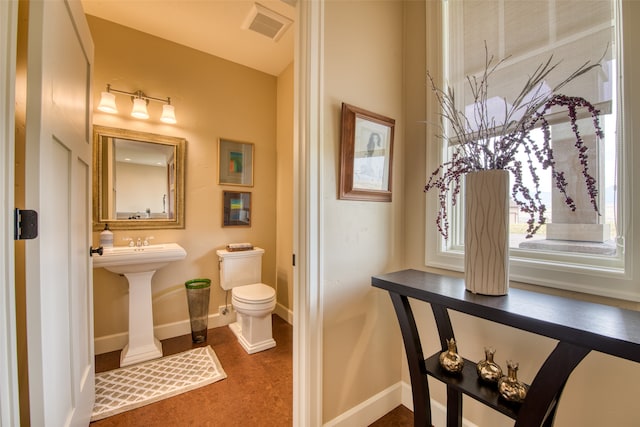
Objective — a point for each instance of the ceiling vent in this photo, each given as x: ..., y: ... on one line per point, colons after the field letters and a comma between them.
x: 266, y: 22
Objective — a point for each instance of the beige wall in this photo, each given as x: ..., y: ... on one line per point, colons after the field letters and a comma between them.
x: 363, y: 67
x: 602, y: 390
x: 284, y: 194
x: 213, y: 98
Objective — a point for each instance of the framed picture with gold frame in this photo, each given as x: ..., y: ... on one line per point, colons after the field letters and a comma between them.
x: 235, y: 163
x: 366, y: 155
x: 236, y: 209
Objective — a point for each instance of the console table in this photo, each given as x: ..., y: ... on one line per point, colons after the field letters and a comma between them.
x: 578, y: 326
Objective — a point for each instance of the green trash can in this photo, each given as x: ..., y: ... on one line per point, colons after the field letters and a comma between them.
x: 198, y: 299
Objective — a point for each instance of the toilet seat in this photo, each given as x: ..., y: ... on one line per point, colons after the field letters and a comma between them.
x: 253, y: 294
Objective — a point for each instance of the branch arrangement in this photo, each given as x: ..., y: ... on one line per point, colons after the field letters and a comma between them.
x: 481, y: 143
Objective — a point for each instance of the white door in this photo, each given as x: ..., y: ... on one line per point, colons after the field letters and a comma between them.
x: 9, y: 412
x: 58, y: 187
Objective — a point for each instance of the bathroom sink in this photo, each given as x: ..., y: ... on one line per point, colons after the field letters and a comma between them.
x: 138, y: 264
x: 138, y: 259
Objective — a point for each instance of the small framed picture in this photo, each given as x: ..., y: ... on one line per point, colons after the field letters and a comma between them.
x: 366, y: 156
x: 235, y: 163
x: 236, y: 209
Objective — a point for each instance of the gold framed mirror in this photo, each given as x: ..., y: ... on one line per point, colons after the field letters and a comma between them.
x: 138, y: 179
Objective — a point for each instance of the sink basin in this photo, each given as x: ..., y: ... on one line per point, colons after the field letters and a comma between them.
x: 138, y: 259
x: 138, y: 264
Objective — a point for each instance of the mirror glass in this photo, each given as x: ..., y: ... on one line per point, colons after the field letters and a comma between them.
x: 138, y: 179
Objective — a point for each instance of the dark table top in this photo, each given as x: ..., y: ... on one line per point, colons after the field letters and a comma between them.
x: 603, y: 328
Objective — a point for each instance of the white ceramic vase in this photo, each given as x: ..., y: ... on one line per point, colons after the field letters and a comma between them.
x: 486, y: 237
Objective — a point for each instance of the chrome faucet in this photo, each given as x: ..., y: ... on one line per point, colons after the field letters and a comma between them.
x: 139, y: 242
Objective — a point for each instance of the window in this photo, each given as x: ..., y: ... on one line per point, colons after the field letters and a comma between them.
x: 575, y: 250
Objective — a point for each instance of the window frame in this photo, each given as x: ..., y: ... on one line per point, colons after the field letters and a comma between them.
x: 549, y: 269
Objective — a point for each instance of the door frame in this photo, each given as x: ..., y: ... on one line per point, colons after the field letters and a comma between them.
x: 9, y: 405
x: 308, y: 226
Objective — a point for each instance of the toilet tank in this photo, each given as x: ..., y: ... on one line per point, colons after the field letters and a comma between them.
x: 240, y: 268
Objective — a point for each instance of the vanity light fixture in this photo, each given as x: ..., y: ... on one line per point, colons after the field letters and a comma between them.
x: 140, y: 101
x: 139, y: 110
x: 108, y: 102
x: 168, y: 113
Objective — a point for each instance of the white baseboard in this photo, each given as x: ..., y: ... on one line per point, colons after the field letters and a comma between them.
x: 284, y: 313
x: 407, y: 396
x: 115, y: 342
x: 438, y: 410
x: 384, y: 402
x: 370, y: 410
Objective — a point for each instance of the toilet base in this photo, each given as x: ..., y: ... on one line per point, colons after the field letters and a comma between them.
x: 252, y: 347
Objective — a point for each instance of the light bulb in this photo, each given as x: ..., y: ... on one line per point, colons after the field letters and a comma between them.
x: 139, y: 110
x: 168, y: 114
x: 108, y: 103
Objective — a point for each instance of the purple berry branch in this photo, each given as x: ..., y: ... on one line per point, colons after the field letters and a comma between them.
x: 495, y: 145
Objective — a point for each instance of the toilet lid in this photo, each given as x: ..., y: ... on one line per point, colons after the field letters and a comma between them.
x: 257, y: 292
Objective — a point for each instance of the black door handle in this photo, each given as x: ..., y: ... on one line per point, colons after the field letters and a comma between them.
x: 95, y: 251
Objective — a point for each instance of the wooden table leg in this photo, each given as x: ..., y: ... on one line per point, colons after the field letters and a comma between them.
x: 415, y: 359
x: 539, y: 407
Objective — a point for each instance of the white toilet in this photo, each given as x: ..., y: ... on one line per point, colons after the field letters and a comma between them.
x: 241, y: 271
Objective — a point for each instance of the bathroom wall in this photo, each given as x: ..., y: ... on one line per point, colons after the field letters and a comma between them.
x: 284, y: 195
x: 362, y: 66
x: 213, y: 98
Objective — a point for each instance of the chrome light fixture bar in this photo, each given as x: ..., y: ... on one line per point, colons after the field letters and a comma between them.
x: 140, y: 101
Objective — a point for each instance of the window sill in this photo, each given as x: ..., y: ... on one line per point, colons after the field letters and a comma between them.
x: 563, y: 246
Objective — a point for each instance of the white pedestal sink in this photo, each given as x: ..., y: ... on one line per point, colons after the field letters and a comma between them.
x: 138, y: 264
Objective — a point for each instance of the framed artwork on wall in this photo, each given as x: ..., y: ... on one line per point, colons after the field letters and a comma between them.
x: 235, y: 163
x: 366, y: 155
x: 236, y: 207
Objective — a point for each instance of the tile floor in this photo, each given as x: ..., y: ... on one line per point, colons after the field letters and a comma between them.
x: 257, y: 391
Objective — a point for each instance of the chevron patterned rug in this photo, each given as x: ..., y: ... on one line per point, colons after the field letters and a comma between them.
x: 134, y: 386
